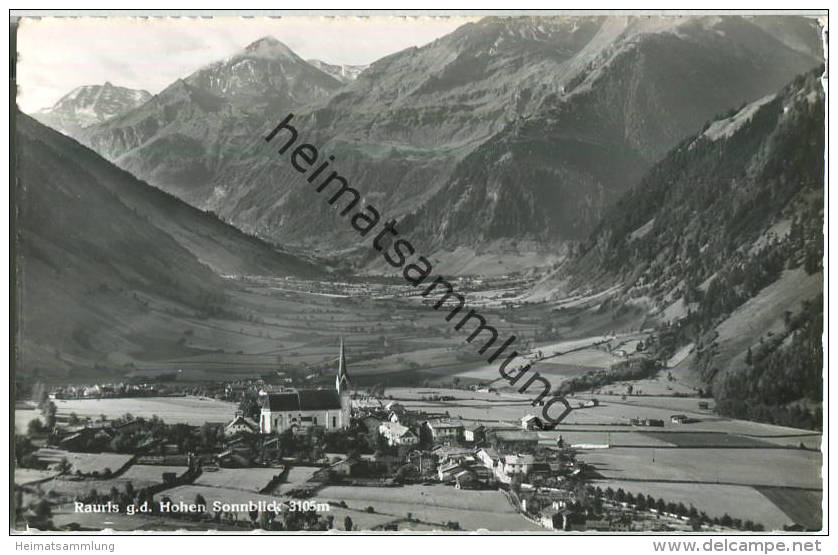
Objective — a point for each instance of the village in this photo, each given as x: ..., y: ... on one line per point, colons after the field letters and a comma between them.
x: 298, y: 459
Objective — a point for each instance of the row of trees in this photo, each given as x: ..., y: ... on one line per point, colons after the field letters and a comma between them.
x: 643, y: 502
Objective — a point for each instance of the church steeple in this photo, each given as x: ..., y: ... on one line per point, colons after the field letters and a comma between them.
x: 342, y: 378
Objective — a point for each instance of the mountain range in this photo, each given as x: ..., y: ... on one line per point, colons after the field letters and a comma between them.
x: 88, y: 105
x: 507, y: 128
x: 675, y: 163
x: 341, y: 72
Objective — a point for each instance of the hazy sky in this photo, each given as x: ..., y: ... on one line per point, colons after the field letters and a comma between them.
x: 57, y: 54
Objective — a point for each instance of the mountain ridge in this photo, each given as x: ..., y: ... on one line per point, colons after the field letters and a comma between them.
x: 431, y: 133
x: 90, y: 104
x: 111, y: 270
x: 721, y: 242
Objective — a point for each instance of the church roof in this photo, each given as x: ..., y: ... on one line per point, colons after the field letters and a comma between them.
x: 304, y: 399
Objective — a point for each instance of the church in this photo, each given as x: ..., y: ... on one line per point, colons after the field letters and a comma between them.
x: 298, y: 409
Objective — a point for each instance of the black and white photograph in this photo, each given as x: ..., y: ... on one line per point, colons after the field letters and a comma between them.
x: 418, y: 272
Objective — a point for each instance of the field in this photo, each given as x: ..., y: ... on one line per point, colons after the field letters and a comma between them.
x: 173, y: 410
x: 23, y: 417
x: 85, y: 462
x: 707, y: 439
x: 801, y: 506
x: 755, y: 467
x: 245, y: 479
x: 296, y: 477
x: 392, y: 336
x: 612, y: 415
x: 24, y: 476
x: 65, y: 515
x: 718, y: 464
x: 473, y: 510
x: 187, y: 494
x: 626, y: 438
x: 140, y: 476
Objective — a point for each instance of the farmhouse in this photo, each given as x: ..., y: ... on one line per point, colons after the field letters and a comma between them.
x: 306, y: 408
x: 474, y: 432
x: 396, y: 434
x: 531, y: 422
x: 240, y: 425
x: 517, y: 464
x: 465, y: 479
x: 448, y: 470
x: 489, y: 457
x: 442, y: 430
x: 513, y: 440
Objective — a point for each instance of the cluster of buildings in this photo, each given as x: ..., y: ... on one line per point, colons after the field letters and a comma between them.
x: 104, y: 390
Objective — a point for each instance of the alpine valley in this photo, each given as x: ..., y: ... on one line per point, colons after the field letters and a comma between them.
x: 662, y: 175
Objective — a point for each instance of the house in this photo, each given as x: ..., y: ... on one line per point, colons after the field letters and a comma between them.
x: 396, y: 434
x: 74, y: 441
x: 569, y: 520
x: 306, y: 408
x: 425, y: 461
x: 488, y: 457
x: 513, y: 440
x: 347, y: 467
x: 703, y: 405
x: 531, y: 422
x: 465, y: 479
x: 474, y: 433
x: 240, y: 425
x: 679, y: 419
x: 444, y: 430
x: 445, y: 453
x: 233, y: 459
x: 447, y: 471
x: 517, y: 464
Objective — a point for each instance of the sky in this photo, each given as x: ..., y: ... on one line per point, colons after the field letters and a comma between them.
x: 58, y: 54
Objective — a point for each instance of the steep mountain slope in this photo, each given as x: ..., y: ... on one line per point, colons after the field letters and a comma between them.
x: 180, y: 138
x: 515, y: 127
x: 551, y: 174
x: 723, y: 241
x: 88, y: 105
x: 108, y: 267
x: 519, y: 127
x: 342, y: 72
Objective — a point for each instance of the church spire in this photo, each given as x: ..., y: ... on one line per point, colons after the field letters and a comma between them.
x: 342, y: 378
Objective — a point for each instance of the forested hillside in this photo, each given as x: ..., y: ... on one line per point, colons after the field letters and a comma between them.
x: 723, y: 239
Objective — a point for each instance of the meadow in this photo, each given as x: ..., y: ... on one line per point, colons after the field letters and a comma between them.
x: 473, y: 509
x: 187, y: 494
x: 245, y: 479
x: 86, y: 463
x: 751, y: 467
x: 172, y: 410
